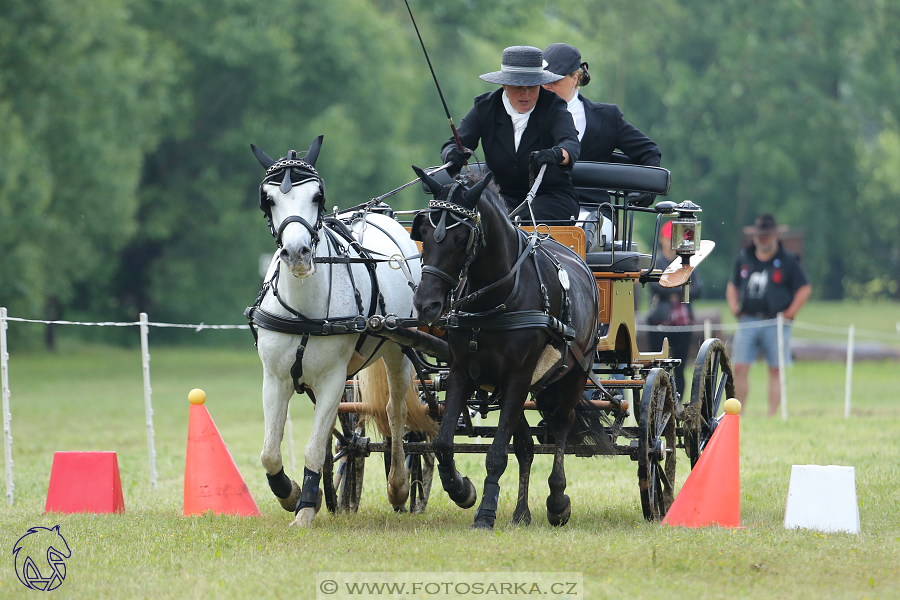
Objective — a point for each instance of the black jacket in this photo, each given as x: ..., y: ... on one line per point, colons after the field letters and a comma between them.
x: 550, y: 124
x: 607, y: 130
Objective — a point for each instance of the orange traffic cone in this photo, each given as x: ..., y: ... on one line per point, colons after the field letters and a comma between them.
x: 712, y: 493
x: 212, y: 481
x: 85, y: 482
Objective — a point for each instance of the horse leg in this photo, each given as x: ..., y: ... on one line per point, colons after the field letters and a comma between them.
x: 328, y: 396
x: 568, y: 390
x: 276, y: 396
x: 398, y: 375
x: 523, y: 445
x: 459, y: 488
x: 511, y: 408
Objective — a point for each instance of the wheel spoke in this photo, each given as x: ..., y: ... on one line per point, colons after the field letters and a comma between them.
x: 665, y: 479
x: 720, y: 393
x: 662, y: 425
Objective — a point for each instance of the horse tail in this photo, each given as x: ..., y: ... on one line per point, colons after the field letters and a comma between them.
x: 372, y: 389
x: 589, y: 427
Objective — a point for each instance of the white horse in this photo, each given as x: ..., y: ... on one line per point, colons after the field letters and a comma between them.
x: 319, y: 289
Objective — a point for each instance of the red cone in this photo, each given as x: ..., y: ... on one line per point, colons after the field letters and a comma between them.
x: 212, y: 481
x: 85, y: 482
x: 712, y: 493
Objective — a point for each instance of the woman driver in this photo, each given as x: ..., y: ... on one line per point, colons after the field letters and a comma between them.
x: 522, y: 126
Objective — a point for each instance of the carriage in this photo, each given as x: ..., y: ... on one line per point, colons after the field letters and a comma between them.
x: 664, y: 421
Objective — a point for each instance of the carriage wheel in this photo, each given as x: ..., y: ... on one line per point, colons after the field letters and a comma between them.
x: 420, y: 469
x: 327, y: 481
x: 712, y: 384
x: 656, y: 445
x: 348, y: 476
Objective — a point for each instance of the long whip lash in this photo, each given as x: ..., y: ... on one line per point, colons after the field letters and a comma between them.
x: 440, y: 93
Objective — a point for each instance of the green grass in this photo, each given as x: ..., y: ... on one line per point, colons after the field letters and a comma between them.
x: 91, y: 398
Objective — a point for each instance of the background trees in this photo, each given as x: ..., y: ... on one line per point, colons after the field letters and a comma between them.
x: 126, y: 183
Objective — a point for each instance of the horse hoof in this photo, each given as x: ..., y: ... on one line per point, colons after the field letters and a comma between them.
x: 558, y: 518
x: 304, y: 517
x: 290, y: 503
x: 467, y: 501
x: 522, y: 517
x: 398, y: 496
x: 483, y: 523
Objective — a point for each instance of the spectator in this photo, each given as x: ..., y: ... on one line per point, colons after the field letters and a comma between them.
x: 767, y: 280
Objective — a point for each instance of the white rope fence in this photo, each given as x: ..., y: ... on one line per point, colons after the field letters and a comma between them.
x: 144, y: 324
x: 851, y: 332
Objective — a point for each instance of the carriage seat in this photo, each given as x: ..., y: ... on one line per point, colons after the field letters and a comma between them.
x: 626, y: 178
x: 624, y: 261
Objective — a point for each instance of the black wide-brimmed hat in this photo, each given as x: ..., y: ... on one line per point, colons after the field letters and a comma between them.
x: 562, y: 59
x: 522, y: 65
x: 765, y: 225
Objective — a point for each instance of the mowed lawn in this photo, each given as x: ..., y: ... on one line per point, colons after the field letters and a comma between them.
x: 91, y: 398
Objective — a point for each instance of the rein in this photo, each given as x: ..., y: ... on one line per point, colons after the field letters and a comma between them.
x: 500, y: 318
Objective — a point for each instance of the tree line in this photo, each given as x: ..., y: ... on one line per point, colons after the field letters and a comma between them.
x: 127, y: 184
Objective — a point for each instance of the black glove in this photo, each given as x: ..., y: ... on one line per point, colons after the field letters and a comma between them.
x: 457, y: 158
x: 548, y: 156
x: 638, y: 199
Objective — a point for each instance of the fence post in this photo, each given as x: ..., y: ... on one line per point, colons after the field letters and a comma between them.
x: 781, y: 373
x: 707, y: 329
x: 7, y: 417
x: 848, y: 382
x: 148, y: 392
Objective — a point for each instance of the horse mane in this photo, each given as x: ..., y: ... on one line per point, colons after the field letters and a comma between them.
x: 491, y: 202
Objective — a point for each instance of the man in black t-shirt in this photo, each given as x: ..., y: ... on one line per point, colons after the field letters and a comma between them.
x: 767, y: 280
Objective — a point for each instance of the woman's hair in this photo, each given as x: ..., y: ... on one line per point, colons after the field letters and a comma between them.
x: 584, y: 77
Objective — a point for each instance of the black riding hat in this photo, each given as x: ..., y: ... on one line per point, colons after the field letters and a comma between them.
x: 562, y: 59
x: 522, y: 66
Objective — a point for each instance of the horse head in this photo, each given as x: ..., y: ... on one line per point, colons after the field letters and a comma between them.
x: 292, y: 196
x: 451, y: 234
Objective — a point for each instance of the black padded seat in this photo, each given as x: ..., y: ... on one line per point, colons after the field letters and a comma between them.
x: 624, y: 261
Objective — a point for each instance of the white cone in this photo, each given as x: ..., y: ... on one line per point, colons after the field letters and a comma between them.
x: 822, y: 498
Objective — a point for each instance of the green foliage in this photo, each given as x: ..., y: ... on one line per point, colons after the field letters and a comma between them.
x: 127, y: 185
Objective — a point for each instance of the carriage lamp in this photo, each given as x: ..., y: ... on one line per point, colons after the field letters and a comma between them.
x: 686, y: 239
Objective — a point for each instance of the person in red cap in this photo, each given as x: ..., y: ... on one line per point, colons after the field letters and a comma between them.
x: 667, y: 313
x: 767, y: 280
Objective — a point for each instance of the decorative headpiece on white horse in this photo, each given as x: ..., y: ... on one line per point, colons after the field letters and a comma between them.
x: 291, y: 171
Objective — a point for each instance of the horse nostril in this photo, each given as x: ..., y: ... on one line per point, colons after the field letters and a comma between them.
x: 305, y: 252
x: 284, y: 255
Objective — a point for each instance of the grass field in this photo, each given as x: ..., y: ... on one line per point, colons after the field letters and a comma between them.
x: 90, y: 398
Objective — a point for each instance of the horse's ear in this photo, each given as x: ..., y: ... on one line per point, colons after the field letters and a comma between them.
x: 261, y: 156
x: 472, y: 195
x: 313, y: 153
x: 428, y: 180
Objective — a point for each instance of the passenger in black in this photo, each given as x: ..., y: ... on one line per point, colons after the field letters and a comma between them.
x: 601, y: 127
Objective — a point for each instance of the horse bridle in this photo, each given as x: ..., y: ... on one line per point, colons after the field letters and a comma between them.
x: 461, y: 216
x: 307, y: 173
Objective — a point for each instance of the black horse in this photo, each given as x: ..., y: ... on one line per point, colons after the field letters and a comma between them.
x: 524, y: 320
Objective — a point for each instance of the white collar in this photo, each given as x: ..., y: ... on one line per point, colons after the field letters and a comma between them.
x: 519, y: 120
